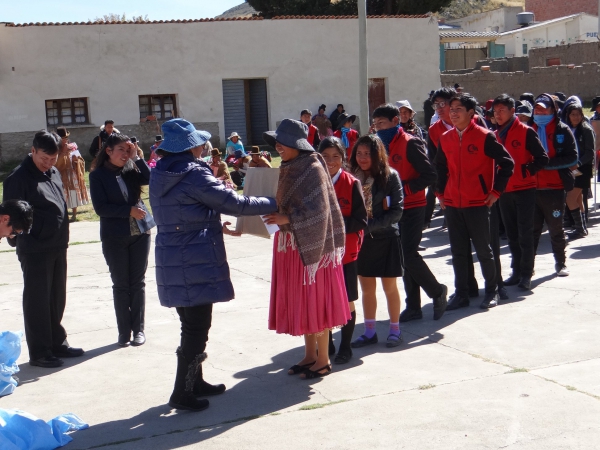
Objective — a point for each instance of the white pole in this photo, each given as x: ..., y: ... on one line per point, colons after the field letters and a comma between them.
x: 363, y: 67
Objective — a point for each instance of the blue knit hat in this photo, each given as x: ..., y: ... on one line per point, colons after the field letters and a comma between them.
x: 180, y: 136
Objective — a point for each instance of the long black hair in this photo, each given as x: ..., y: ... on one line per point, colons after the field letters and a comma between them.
x: 129, y: 171
x: 380, y: 169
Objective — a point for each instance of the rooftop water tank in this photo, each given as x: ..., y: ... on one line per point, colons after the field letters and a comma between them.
x: 525, y: 18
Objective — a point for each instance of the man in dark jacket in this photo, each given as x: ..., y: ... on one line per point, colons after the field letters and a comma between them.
x: 43, y: 252
x: 555, y: 179
x: 100, y: 139
x: 517, y: 204
x: 473, y: 169
x: 408, y: 155
x: 334, y: 117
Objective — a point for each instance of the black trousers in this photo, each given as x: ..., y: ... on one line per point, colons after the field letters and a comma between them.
x: 550, y: 208
x: 44, y: 300
x: 127, y: 259
x: 195, y: 324
x: 416, y: 274
x: 466, y: 225
x: 517, y: 210
x: 495, y: 222
x: 430, y: 204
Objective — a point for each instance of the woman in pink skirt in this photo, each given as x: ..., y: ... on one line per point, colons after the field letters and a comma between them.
x: 308, y: 294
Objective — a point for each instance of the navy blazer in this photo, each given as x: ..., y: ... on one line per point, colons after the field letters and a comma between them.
x: 108, y: 199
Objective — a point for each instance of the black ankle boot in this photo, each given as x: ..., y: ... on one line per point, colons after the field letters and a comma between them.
x: 183, y: 392
x: 345, y: 353
x: 331, y: 344
x: 204, y: 389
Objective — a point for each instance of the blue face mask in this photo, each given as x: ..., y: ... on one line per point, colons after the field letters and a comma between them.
x: 387, y: 136
x: 543, y: 119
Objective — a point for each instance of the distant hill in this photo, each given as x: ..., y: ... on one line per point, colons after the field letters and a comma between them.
x: 243, y: 10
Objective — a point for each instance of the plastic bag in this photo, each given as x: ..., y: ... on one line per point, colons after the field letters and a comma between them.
x: 10, y: 350
x: 23, y: 431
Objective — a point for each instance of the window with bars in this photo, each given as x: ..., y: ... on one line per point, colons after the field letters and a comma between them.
x: 67, y: 111
x: 163, y: 107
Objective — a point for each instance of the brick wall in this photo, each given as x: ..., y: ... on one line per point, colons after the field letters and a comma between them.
x: 583, y: 81
x: 553, y: 9
x: 14, y: 146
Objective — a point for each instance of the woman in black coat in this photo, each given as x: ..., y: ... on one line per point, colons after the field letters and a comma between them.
x: 116, y: 187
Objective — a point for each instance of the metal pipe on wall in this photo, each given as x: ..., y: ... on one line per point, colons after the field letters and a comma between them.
x: 363, y: 73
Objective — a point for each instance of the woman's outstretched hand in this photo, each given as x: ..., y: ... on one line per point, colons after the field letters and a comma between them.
x: 229, y: 231
x: 276, y: 219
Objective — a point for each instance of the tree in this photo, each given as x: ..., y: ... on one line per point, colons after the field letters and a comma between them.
x: 272, y: 8
x: 112, y: 17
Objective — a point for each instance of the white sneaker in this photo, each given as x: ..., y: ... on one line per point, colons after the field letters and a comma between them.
x: 562, y: 271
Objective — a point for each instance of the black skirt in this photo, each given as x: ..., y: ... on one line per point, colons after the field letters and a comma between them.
x: 584, y: 180
x: 351, y: 280
x: 381, y: 258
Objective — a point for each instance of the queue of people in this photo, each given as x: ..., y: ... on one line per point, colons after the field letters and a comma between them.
x: 350, y: 209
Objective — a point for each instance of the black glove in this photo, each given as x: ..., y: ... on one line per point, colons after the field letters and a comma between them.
x: 529, y: 169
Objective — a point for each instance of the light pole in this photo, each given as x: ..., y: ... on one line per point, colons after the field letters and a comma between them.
x: 363, y: 73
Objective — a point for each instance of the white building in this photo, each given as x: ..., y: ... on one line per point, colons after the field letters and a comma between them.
x: 241, y: 75
x: 564, y: 30
x: 495, y: 21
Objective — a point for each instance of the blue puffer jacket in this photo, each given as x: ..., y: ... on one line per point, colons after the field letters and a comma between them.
x: 191, y: 264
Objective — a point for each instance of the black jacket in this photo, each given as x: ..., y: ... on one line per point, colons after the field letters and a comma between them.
x: 108, y: 199
x: 95, y: 147
x: 44, y: 192
x: 384, y: 223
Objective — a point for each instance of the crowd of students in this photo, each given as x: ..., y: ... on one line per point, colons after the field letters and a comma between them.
x: 350, y: 209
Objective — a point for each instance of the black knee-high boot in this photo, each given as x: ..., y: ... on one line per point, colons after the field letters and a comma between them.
x: 580, y: 228
x: 204, y: 389
x: 187, y: 373
x: 345, y: 352
x: 331, y: 344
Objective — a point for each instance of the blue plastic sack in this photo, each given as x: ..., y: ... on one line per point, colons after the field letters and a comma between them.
x: 10, y: 350
x: 23, y: 431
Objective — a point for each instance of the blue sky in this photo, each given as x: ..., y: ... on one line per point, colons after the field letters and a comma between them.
x: 21, y: 11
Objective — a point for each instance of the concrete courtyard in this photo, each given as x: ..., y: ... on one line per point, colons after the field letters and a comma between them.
x: 525, y: 375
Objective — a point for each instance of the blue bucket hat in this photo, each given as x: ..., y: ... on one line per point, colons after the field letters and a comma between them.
x: 180, y: 136
x: 290, y: 133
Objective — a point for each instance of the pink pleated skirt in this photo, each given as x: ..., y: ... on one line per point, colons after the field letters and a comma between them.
x: 299, y: 308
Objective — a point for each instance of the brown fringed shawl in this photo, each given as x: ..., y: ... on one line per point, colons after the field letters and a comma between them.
x: 316, y: 228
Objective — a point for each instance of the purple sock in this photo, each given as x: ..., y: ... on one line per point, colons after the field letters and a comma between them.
x: 370, y: 328
x: 395, y: 328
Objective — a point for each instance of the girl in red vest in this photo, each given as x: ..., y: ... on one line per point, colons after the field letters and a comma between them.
x: 352, y: 204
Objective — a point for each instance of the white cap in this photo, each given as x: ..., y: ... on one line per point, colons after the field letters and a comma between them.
x: 404, y: 104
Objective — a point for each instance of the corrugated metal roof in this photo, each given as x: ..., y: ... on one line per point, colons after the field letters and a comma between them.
x: 543, y: 24
x: 468, y: 34
x: 232, y: 19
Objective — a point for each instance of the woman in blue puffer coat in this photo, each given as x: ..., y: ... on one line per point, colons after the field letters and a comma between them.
x: 191, y: 264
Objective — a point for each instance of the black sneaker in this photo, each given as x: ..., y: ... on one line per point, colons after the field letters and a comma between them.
x: 561, y: 270
x: 456, y: 301
x: 46, y: 362
x: 490, y: 300
x: 525, y: 284
x: 410, y: 314
x: 513, y: 280
x: 503, y: 293
x: 440, y: 304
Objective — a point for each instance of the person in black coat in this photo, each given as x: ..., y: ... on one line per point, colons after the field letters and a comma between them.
x: 16, y: 217
x: 116, y: 187
x: 43, y: 251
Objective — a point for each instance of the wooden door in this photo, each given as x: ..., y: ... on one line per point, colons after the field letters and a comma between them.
x: 376, y: 95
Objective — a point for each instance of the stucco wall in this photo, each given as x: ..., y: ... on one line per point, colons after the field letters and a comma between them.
x: 583, y: 81
x: 306, y: 62
x: 504, y: 19
x: 553, y: 9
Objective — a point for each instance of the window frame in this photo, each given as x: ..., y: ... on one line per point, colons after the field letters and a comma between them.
x: 161, y: 98
x: 73, y: 116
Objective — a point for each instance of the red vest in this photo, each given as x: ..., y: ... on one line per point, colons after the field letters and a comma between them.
x: 515, y: 144
x: 470, y: 170
x: 352, y: 138
x: 435, y: 132
x: 549, y: 179
x: 312, y: 132
x: 343, y: 192
x: 399, y: 161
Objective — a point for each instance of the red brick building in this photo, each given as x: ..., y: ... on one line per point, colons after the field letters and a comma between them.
x: 553, y: 9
